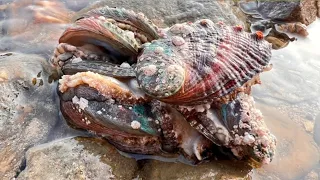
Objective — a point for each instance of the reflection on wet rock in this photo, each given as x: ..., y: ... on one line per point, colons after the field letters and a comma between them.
x: 304, y: 11
x: 294, y: 94
x: 316, y: 130
x: 296, y: 28
x: 296, y: 152
x: 220, y: 170
x: 92, y: 158
x: 77, y: 158
x: 27, y: 111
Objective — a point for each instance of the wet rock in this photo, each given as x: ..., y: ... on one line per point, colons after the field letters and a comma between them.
x: 194, y: 9
x: 295, y: 28
x: 316, y: 130
x: 214, y: 170
x: 312, y: 176
x: 28, y: 109
x: 308, y: 125
x: 171, y: 12
x: 77, y: 158
x: 93, y: 158
x: 277, y: 43
x: 304, y: 11
x: 318, y: 7
x: 278, y: 39
x: 76, y: 5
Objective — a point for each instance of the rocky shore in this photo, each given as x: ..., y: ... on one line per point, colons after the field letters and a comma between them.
x: 36, y: 143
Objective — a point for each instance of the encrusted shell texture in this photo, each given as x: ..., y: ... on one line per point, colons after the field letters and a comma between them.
x: 197, y: 62
x: 134, y: 21
x: 119, y: 31
x: 102, y: 33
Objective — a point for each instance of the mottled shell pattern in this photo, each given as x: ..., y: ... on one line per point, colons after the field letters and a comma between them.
x: 199, y: 62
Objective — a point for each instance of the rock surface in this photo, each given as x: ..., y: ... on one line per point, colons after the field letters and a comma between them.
x: 313, y: 175
x: 78, y: 158
x: 316, y: 130
x: 28, y: 109
x: 214, y: 170
x: 304, y: 11
x: 166, y: 13
x: 93, y: 158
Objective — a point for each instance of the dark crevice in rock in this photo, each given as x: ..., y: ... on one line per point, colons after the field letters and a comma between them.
x: 317, y: 4
x: 140, y: 166
x: 22, y: 167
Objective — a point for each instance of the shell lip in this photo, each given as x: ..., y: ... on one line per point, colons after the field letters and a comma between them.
x: 81, y: 37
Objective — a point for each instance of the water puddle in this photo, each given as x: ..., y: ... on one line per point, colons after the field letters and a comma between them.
x: 289, y: 100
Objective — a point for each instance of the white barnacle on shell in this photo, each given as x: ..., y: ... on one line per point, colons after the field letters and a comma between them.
x: 130, y: 34
x: 125, y: 65
x: 149, y: 70
x: 76, y: 60
x: 248, y: 138
x: 178, y: 41
x: 82, y: 102
x: 135, y: 125
x: 75, y: 100
x: 101, y: 18
x: 158, y: 50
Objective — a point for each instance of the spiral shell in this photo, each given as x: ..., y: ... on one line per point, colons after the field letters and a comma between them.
x: 200, y: 61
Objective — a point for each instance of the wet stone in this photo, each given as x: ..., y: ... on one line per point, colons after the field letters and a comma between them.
x: 77, y: 158
x: 27, y: 111
x: 304, y: 11
x: 316, y: 130
x: 220, y: 170
x: 312, y: 176
x: 166, y: 13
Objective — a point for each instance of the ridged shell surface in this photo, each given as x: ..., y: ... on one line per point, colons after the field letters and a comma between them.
x: 136, y: 20
x: 196, y: 62
x: 117, y: 30
x: 102, y: 33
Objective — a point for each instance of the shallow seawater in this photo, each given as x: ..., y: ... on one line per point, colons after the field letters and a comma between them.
x: 288, y: 97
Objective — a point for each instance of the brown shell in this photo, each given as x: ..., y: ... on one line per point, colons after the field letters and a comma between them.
x: 200, y: 61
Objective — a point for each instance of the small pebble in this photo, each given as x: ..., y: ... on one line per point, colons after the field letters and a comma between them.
x: 308, y: 125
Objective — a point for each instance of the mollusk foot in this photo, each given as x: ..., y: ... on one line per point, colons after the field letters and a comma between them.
x: 120, y: 112
x: 64, y: 52
x: 106, y: 106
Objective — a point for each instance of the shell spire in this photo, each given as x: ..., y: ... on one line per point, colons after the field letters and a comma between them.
x: 200, y: 61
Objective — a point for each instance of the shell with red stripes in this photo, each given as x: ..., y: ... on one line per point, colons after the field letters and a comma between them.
x: 198, y: 62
